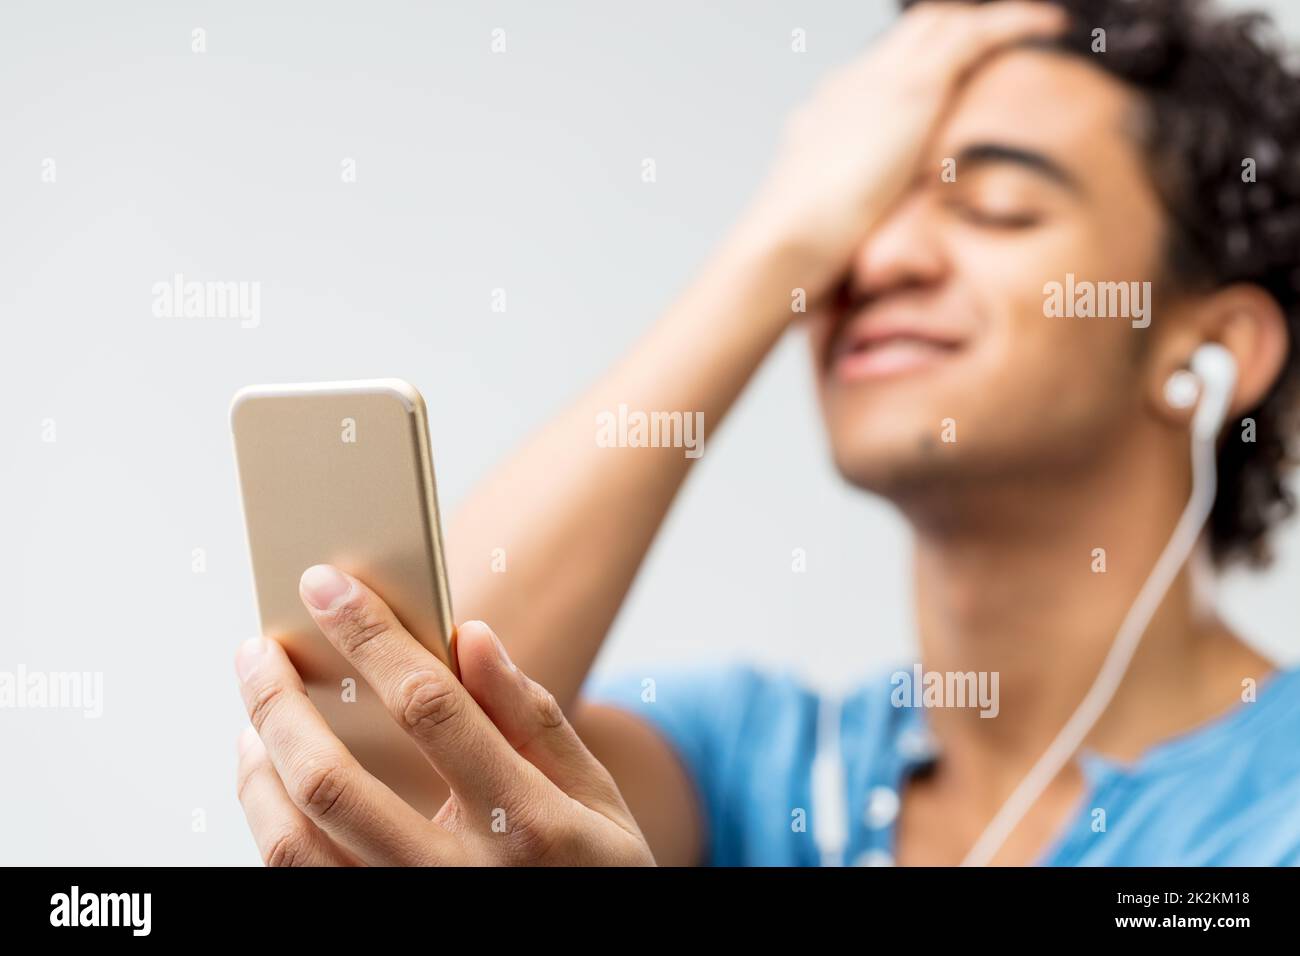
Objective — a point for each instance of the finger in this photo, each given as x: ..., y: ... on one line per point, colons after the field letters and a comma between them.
x: 419, y: 691
x: 947, y: 38
x: 322, y: 778
x: 920, y: 23
x: 531, y: 720
x: 283, y: 834
x: 982, y: 29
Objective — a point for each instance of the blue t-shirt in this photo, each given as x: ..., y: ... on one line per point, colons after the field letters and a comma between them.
x: 1224, y: 794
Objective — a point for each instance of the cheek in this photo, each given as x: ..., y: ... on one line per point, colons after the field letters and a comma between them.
x: 1054, y: 386
x: 1029, y: 363
x: 1007, y: 271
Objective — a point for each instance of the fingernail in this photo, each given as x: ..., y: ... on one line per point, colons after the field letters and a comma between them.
x: 250, y: 652
x: 246, y: 738
x: 324, y: 586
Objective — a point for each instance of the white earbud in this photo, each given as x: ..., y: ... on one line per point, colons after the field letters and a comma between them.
x: 1182, y: 389
x: 1207, y: 385
x: 1217, y: 371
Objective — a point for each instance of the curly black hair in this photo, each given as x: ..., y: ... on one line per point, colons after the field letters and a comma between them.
x: 1220, y: 88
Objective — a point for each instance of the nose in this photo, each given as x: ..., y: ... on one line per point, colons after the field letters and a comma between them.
x: 905, y: 251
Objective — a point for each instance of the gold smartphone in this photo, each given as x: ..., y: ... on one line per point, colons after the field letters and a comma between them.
x: 340, y: 473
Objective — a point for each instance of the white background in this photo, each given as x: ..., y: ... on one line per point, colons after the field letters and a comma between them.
x: 475, y: 171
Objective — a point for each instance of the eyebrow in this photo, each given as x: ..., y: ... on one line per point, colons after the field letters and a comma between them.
x: 986, y: 154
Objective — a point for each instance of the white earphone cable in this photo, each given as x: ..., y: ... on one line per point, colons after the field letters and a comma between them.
x: 830, y: 810
x: 1115, y: 666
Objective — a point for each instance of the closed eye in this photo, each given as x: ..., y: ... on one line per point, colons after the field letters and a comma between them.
x: 994, y: 219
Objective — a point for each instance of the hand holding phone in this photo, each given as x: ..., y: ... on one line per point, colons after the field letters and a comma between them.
x: 525, y: 790
x: 340, y: 473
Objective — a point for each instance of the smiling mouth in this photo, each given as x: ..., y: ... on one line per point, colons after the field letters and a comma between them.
x: 867, y: 357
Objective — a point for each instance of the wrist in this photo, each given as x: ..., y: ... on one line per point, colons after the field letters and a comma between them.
x: 787, y: 248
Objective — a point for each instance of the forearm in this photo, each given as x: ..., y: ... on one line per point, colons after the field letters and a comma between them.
x: 570, y: 521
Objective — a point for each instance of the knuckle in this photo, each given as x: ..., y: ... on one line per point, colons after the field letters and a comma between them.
x: 543, y: 839
x: 288, y: 848
x: 356, y: 625
x: 320, y: 791
x: 426, y: 700
x: 244, y: 776
x: 263, y: 700
x: 549, y: 714
x: 568, y: 841
x: 533, y: 836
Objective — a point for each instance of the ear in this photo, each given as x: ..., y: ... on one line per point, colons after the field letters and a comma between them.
x: 1249, y: 323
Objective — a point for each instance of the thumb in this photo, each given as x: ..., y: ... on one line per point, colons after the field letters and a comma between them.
x: 531, y: 720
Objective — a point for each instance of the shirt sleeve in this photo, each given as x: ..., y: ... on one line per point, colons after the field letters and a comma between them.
x: 701, y: 712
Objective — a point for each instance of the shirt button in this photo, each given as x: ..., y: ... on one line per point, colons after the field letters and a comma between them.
x: 874, y: 858
x: 882, y: 807
x: 915, y: 744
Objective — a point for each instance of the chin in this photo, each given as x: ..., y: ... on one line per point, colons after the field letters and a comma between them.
x: 892, y: 462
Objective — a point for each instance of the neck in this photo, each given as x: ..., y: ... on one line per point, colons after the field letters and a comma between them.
x: 1032, y: 582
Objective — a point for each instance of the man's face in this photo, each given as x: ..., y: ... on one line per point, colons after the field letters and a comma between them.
x: 942, y: 334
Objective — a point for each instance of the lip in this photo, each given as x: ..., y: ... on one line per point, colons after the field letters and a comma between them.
x: 870, y: 348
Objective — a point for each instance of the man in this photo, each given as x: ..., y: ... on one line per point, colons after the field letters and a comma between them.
x: 932, y: 205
